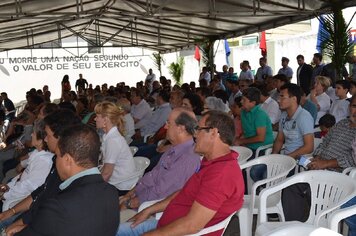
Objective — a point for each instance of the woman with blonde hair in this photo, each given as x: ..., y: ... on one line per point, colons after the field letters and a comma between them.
x: 319, y: 97
x: 116, y: 154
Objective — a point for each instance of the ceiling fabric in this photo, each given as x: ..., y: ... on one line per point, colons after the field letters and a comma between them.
x: 160, y: 25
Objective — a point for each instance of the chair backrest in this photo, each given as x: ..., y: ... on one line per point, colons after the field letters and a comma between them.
x: 329, y: 190
x: 244, y: 153
x: 219, y: 226
x: 352, y: 173
x: 340, y: 214
x: 133, y: 149
x: 278, y: 167
x: 264, y: 148
x: 141, y: 163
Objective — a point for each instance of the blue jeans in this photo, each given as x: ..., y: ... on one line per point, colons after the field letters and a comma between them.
x: 351, y: 221
x: 258, y: 172
x: 126, y: 230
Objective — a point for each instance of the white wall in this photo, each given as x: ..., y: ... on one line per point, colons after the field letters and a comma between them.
x: 25, y: 74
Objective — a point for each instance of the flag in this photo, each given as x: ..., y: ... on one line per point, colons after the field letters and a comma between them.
x: 263, y: 45
x: 322, y: 34
x: 227, y: 52
x: 197, y: 54
x: 353, y: 36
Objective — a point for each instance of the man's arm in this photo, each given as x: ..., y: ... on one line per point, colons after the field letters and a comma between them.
x: 107, y: 171
x: 260, y: 137
x: 192, y: 223
x: 22, y: 206
x: 318, y: 164
x: 278, y: 143
x: 146, y: 213
x: 307, y: 148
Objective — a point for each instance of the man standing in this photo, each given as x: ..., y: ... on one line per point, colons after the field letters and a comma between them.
x: 224, y: 75
x: 149, y: 79
x: 77, y: 158
x: 317, y: 60
x: 296, y: 126
x: 210, y: 195
x: 81, y: 84
x: 286, y: 70
x: 205, y: 75
x: 264, y: 71
x: 246, y: 73
x: 304, y: 74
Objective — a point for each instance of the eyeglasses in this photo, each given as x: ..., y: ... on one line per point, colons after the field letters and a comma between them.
x: 197, y: 128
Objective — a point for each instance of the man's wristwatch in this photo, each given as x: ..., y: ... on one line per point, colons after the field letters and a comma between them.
x: 128, y: 204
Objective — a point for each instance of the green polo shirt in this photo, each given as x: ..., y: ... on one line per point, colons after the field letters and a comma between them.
x: 256, y: 118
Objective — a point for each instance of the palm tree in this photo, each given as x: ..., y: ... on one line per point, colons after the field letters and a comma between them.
x: 335, y: 38
x: 207, y: 48
x: 158, y: 60
x: 176, y: 70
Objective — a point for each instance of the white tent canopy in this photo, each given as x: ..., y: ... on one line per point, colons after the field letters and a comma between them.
x: 160, y: 25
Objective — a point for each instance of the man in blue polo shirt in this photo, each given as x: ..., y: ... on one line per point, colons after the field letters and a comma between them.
x: 296, y: 127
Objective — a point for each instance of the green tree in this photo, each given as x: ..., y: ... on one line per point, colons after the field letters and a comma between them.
x: 158, y: 60
x: 335, y: 38
x: 176, y: 70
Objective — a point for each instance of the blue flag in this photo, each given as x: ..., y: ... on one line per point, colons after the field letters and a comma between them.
x: 227, y: 52
x: 321, y: 34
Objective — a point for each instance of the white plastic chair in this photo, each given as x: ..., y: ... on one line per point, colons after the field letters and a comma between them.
x: 340, y: 214
x: 278, y: 167
x: 141, y: 163
x: 267, y: 148
x: 301, y: 229
x: 221, y: 225
x: 244, y: 153
x: 329, y: 190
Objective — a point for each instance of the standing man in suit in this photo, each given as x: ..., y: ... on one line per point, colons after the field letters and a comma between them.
x: 304, y: 74
x: 85, y: 199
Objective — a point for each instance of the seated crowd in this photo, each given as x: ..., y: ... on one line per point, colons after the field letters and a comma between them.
x: 67, y: 168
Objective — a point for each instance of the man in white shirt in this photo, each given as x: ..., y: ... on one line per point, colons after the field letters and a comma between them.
x: 340, y: 106
x: 270, y: 106
x: 159, y: 116
x: 246, y: 73
x: 205, y: 75
x: 140, y: 110
x: 233, y: 86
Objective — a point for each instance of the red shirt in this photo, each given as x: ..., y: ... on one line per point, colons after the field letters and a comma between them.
x: 218, y: 185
